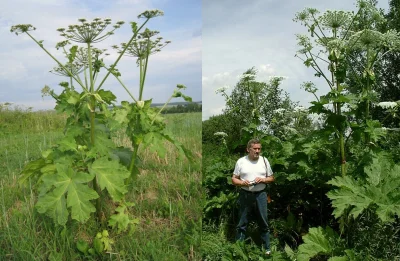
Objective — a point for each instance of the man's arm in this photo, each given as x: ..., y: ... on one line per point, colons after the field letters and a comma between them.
x: 265, y: 180
x: 238, y: 182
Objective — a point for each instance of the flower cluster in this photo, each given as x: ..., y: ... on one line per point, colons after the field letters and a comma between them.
x: 222, y: 89
x: 366, y: 39
x: 89, y: 32
x: 143, y: 45
x: 299, y: 109
x: 387, y: 105
x: 248, y: 77
x: 181, y: 86
x: 62, y: 44
x: 309, y: 87
x: 280, y: 110
x: 73, y: 68
x: 22, y: 28
x: 82, y: 55
x: 306, y: 16
x: 335, y: 19
x: 221, y: 134
x: 304, y: 42
x: 81, y: 61
x: 151, y: 13
x: 6, y: 104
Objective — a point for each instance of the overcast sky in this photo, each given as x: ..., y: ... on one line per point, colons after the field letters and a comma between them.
x: 24, y: 67
x: 238, y: 35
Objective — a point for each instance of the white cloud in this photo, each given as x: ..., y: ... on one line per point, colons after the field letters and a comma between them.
x: 24, y: 66
x: 11, y: 70
x: 266, y: 69
x: 258, y: 33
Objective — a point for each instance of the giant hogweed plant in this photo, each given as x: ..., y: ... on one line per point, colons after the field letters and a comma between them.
x: 335, y: 37
x: 144, y: 125
x: 377, y: 191
x: 85, y: 163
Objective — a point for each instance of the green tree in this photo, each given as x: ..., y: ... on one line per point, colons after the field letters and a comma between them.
x: 255, y: 108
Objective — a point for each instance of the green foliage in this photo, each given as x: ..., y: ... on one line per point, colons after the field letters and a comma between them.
x: 221, y: 195
x: 320, y: 241
x: 379, y: 190
x: 102, y: 242
x: 68, y: 192
x: 253, y: 107
x: 26, y: 234
x: 121, y: 220
x: 85, y: 162
x: 110, y: 175
x: 287, y: 230
x: 336, y: 168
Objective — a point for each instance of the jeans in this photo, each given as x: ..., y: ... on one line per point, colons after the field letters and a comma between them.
x: 246, y: 200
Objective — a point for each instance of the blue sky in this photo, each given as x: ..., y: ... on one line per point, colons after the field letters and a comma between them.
x: 238, y: 35
x: 24, y: 67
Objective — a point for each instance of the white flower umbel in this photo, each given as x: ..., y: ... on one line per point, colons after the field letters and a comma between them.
x: 299, y: 109
x: 221, y: 134
x: 6, y: 104
x: 387, y: 105
x: 222, y: 89
x: 280, y: 110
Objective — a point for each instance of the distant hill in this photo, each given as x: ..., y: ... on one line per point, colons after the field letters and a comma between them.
x: 174, y: 104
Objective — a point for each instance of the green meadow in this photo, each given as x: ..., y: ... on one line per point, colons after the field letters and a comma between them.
x: 167, y: 196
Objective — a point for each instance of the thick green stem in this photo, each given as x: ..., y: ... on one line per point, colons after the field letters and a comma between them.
x: 367, y: 136
x: 145, y: 69
x: 92, y: 127
x: 342, y: 152
x: 134, y: 155
x: 85, y: 73
x: 141, y: 79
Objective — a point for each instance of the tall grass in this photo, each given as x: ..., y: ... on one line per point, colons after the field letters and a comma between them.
x: 167, y: 196
x: 20, y: 120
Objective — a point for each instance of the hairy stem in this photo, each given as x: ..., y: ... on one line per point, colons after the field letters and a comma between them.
x: 145, y: 69
x: 134, y: 155
x: 141, y: 79
x: 92, y: 127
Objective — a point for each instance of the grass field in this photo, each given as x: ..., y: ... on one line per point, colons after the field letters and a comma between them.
x: 167, y: 196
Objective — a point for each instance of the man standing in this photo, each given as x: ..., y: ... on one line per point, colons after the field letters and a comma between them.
x: 252, y: 173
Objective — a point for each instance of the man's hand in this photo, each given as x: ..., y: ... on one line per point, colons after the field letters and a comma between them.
x: 238, y: 182
x: 245, y: 183
x: 266, y: 180
x: 260, y: 180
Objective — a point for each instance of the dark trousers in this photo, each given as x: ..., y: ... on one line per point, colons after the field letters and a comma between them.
x: 246, y: 201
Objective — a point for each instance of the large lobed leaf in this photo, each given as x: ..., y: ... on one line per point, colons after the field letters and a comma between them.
x: 319, y: 241
x: 68, y: 192
x: 110, y: 174
x: 380, y: 189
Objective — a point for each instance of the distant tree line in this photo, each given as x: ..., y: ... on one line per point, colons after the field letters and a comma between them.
x: 189, y: 107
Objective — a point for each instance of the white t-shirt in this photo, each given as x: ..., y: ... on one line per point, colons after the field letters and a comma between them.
x: 250, y: 170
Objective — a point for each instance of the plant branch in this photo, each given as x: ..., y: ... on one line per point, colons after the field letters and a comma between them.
x: 122, y: 53
x: 62, y: 66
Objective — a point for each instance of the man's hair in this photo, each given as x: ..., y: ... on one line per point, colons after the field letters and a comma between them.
x: 252, y: 141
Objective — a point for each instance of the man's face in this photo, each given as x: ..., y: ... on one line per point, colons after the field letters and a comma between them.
x: 254, y: 151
